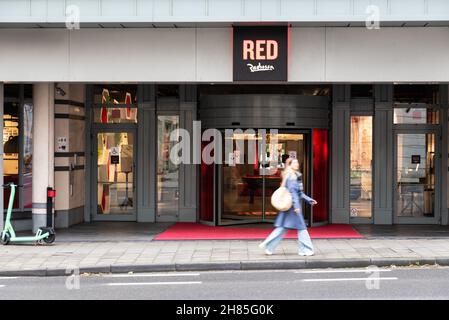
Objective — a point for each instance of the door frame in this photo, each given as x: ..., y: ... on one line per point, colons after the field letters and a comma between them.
x: 94, y: 176
x: 436, y: 219
x: 218, y: 177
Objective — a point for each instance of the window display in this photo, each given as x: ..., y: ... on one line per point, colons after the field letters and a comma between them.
x: 115, y: 104
x: 115, y: 172
x: 17, y: 144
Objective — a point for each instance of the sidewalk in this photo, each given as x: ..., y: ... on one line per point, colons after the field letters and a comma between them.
x: 148, y: 256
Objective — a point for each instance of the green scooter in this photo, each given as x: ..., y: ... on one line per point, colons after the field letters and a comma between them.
x: 45, y: 234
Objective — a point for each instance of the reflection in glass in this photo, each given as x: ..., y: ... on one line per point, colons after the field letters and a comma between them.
x: 115, y: 173
x: 27, y: 154
x: 125, y: 110
x: 415, y: 175
x: 361, y: 166
x: 167, y: 171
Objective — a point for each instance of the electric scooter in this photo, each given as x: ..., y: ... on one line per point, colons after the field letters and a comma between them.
x: 45, y: 234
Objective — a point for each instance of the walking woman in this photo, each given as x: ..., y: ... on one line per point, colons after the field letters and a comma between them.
x: 292, y: 218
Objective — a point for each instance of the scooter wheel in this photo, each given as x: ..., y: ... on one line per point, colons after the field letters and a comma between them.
x: 6, y: 238
x: 50, y: 239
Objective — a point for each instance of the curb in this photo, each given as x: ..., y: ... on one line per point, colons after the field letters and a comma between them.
x: 309, y: 263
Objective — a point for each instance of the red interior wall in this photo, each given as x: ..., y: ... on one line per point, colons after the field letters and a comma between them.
x: 321, y: 175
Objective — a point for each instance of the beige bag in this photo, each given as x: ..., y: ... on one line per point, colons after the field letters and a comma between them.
x: 281, y: 199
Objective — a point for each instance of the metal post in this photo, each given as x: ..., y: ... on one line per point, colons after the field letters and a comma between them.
x: 49, y: 208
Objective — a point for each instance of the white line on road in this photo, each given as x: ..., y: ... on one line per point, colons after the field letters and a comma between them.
x: 8, y: 278
x: 349, y: 279
x: 154, y: 275
x: 2, y: 285
x: 344, y: 271
x: 152, y: 283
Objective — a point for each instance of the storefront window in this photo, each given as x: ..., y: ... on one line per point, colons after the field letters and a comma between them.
x: 115, y: 104
x: 115, y: 160
x: 17, y: 132
x: 27, y: 154
x: 415, y: 175
x: 167, y: 171
x: 416, y: 116
x: 361, y: 166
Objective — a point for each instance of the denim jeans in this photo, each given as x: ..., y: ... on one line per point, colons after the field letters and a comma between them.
x: 304, y: 242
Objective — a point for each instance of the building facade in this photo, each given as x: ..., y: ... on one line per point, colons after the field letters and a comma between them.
x: 89, y: 109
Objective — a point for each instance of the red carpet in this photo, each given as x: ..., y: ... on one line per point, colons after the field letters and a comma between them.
x: 197, y: 231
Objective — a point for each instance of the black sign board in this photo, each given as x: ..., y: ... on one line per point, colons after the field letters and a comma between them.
x: 115, y: 159
x: 416, y: 159
x: 260, y: 53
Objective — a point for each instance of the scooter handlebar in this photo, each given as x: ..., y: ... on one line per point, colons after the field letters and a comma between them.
x: 10, y: 184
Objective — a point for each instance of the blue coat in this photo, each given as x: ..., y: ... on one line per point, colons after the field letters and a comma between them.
x: 290, y: 219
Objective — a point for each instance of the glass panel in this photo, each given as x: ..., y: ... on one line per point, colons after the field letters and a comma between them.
x: 288, y: 145
x: 167, y: 171
x: 115, y: 173
x: 242, y: 190
x: 105, y: 97
x: 361, y: 167
x: 416, y: 116
x: 11, y: 148
x: 27, y: 154
x: 115, y: 115
x: 207, y: 189
x: 415, y: 175
x: 115, y: 94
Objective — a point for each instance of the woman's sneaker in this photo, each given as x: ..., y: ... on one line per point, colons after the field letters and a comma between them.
x: 268, y: 252
x: 306, y: 254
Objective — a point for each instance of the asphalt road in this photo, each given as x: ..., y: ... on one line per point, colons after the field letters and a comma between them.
x: 383, y: 283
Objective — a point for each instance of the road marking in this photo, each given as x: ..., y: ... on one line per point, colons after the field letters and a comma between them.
x: 7, y: 278
x: 152, y: 283
x: 349, y: 279
x: 344, y: 271
x: 154, y: 275
x: 2, y: 285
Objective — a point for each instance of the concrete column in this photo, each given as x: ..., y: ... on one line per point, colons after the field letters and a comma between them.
x: 383, y: 154
x: 188, y: 208
x: 43, y: 149
x: 444, y: 102
x: 340, y: 153
x: 146, y: 154
x: 1, y: 155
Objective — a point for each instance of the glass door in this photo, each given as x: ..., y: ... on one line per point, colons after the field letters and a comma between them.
x: 167, y: 170
x: 416, y: 177
x: 250, y: 174
x: 288, y: 145
x: 361, y: 168
x: 115, y: 175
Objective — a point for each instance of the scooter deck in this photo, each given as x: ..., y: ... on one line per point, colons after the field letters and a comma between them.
x: 29, y: 239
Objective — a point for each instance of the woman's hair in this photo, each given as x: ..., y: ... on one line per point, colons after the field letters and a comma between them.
x: 289, y: 162
x: 288, y: 169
